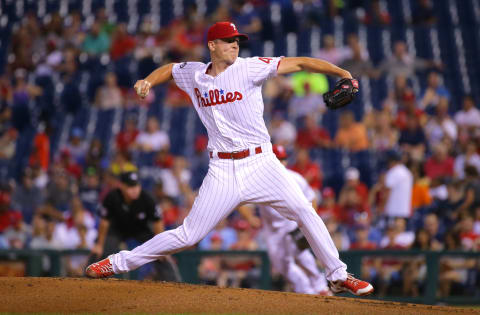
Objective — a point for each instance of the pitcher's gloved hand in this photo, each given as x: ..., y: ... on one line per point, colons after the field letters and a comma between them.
x: 342, y: 94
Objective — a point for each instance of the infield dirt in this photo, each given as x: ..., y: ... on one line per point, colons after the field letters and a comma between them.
x: 76, y: 295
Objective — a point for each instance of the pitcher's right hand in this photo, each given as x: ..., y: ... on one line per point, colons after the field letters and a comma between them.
x: 142, y: 87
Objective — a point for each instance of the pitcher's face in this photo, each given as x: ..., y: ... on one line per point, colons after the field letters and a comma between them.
x: 225, y: 49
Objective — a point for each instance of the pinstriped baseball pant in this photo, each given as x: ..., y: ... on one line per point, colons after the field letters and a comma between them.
x: 259, y: 179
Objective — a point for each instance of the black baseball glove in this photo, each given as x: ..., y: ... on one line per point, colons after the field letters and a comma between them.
x: 342, y: 94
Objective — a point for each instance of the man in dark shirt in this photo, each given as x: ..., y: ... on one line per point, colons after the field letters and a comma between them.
x: 129, y: 213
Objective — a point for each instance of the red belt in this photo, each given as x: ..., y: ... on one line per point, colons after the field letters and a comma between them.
x: 236, y: 155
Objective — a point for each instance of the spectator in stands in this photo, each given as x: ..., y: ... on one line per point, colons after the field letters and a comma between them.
x: 26, y: 197
x: 122, y: 162
x: 227, y: 233
x: 152, y: 139
x: 43, y: 235
x: 22, y: 47
x: 59, y: 193
x: 16, y: 234
x: 412, y: 139
x: 376, y: 15
x: 361, y: 239
x: 402, y: 63
x: 77, y: 146
x: 282, y: 131
x: 40, y: 154
x: 5, y: 114
x: 414, y: 270
x: 472, y: 192
x: 89, y: 192
x: 101, y: 17
x: 409, y: 108
x: 434, y: 91
x: 308, y: 169
x: 440, y: 164
x: 126, y: 138
x: 382, y: 136
x: 469, y: 156
x: 328, y: 207
x: 77, y: 232
x: 402, y: 92
x: 339, y: 237
x: 109, y: 95
x: 441, y: 127
x: 351, y: 207
x: 69, y: 165
x: 122, y: 42
x: 352, y: 180
x: 8, y: 144
x: 73, y: 32
x: 176, y: 179
x: 351, y: 136
x: 469, y: 115
x: 97, y: 41
x: 421, y: 189
x: 453, y: 270
x: 397, y: 188
x: 246, y: 18
x: 330, y: 52
x: 210, y: 269
x: 8, y: 216
x: 358, y: 63
x: 95, y: 154
x: 176, y: 97
x: 312, y: 135
x: 23, y: 93
x: 424, y: 13
x: 309, y: 104
x: 431, y: 225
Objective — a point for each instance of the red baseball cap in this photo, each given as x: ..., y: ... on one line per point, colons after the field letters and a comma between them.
x: 224, y: 30
x: 279, y: 151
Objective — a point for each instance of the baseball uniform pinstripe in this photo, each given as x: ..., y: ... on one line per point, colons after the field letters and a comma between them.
x: 230, y: 106
x: 299, y: 267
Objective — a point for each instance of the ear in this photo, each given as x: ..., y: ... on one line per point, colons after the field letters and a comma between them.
x: 211, y: 45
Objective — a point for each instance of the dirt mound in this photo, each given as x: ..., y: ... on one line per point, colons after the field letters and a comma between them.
x: 72, y: 295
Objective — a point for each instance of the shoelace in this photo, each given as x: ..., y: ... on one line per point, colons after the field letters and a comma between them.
x: 104, y: 268
x: 352, y: 279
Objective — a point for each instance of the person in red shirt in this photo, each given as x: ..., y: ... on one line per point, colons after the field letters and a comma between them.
x: 312, y: 135
x: 352, y: 180
x: 122, y: 42
x: 41, y: 148
x: 8, y: 217
x: 328, y: 208
x: 126, y: 138
x: 308, y: 169
x: 68, y: 163
x: 409, y: 109
x: 440, y: 164
x: 361, y: 239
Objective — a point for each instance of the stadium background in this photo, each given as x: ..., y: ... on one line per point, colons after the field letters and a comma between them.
x: 70, y: 122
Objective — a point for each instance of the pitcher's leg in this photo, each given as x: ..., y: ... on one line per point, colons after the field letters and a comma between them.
x: 269, y: 182
x: 217, y: 197
x: 317, y: 278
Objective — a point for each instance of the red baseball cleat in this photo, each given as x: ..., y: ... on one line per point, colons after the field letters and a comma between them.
x: 352, y: 285
x: 100, y: 269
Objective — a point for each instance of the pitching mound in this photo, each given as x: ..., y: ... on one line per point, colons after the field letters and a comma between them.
x: 70, y: 295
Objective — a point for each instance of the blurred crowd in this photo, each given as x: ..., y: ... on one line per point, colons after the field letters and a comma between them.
x: 423, y: 194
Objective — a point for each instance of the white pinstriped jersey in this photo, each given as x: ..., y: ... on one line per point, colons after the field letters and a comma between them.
x: 230, y: 105
x: 273, y: 218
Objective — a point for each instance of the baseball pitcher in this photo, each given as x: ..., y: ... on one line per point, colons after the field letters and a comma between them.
x: 227, y: 95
